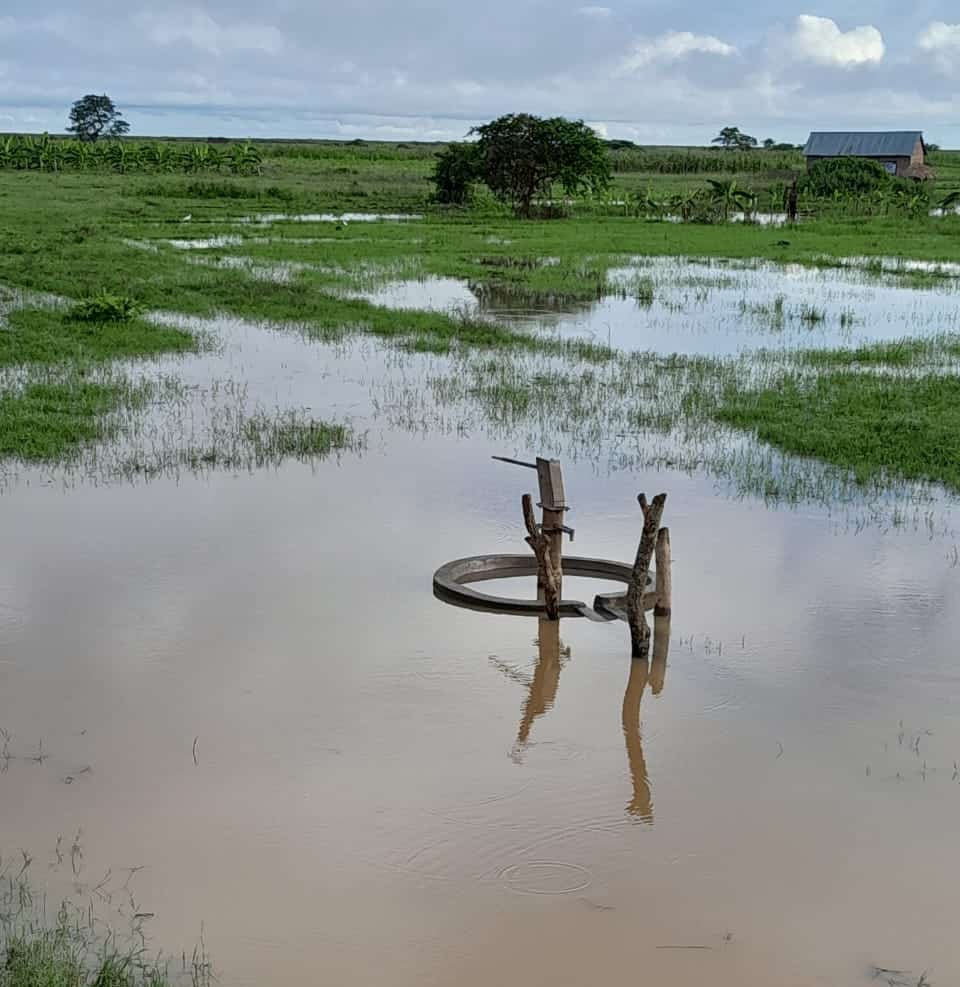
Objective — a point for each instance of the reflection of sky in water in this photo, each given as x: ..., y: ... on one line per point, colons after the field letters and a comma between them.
x: 711, y: 308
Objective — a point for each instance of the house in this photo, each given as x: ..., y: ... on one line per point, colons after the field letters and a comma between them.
x: 901, y: 152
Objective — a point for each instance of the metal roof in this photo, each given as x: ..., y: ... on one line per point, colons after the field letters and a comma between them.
x: 891, y: 144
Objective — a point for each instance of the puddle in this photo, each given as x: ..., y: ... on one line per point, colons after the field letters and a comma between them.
x: 265, y: 219
x: 709, y: 307
x: 206, y: 243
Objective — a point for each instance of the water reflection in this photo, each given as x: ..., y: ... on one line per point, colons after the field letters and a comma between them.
x: 543, y: 686
x: 643, y: 672
x: 542, y: 696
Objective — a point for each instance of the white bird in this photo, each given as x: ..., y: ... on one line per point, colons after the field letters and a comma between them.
x: 187, y: 218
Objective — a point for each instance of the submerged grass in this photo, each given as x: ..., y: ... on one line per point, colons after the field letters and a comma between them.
x: 52, y: 422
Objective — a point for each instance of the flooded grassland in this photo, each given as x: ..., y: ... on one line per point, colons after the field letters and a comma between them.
x: 221, y: 660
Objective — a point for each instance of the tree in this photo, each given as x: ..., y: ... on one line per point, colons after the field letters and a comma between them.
x: 520, y: 158
x: 456, y: 170
x: 733, y: 139
x: 94, y: 116
x: 769, y: 144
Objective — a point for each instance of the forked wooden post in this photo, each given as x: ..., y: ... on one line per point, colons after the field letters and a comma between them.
x: 548, y: 585
x: 546, y: 538
x: 639, y: 628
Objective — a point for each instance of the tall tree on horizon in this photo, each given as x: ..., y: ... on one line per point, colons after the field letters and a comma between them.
x: 93, y: 117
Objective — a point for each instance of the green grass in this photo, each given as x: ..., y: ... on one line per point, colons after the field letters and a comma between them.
x: 55, y: 336
x: 289, y: 435
x: 869, y: 424
x: 76, y: 949
x: 52, y: 422
x: 70, y: 234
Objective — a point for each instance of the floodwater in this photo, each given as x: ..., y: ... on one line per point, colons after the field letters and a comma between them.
x: 712, y: 308
x: 242, y: 683
x: 267, y: 218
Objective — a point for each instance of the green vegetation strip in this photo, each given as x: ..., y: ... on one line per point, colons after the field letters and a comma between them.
x: 50, y: 422
x: 869, y: 424
x: 54, y: 336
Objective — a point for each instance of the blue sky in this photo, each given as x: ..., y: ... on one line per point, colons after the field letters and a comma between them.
x: 429, y: 69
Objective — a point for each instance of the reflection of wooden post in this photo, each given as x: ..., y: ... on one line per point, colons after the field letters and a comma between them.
x: 546, y: 678
x: 664, y: 577
x: 641, y: 805
x: 639, y: 628
x: 661, y: 648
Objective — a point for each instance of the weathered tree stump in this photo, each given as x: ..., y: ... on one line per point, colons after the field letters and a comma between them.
x: 639, y: 628
x: 549, y: 563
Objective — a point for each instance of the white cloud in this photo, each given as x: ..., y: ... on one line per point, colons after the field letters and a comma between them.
x: 942, y: 41
x: 672, y: 47
x: 819, y: 39
x: 595, y: 12
x: 201, y: 31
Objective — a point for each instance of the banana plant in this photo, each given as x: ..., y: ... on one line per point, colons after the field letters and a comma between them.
x: 245, y: 159
x: 727, y: 195
x: 121, y: 156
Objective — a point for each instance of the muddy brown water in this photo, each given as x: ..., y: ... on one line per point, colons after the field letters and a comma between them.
x: 243, y: 684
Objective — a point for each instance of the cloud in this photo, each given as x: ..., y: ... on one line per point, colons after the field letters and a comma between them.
x: 673, y: 47
x: 200, y: 30
x: 662, y: 73
x: 819, y: 39
x: 942, y: 41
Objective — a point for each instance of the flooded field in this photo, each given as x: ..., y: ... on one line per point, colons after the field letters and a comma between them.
x: 234, y: 675
x: 713, y: 308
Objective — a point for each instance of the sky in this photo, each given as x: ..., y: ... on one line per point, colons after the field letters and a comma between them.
x: 642, y: 70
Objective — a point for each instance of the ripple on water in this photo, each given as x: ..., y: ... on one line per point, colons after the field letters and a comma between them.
x: 546, y: 877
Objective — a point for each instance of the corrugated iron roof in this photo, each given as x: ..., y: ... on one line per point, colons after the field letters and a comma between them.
x: 862, y: 144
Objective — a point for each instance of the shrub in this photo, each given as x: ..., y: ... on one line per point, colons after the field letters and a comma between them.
x: 454, y: 174
x: 844, y: 176
x: 105, y: 307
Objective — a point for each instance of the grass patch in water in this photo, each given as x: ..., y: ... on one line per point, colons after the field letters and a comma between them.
x: 55, y: 336
x: 50, y: 422
x: 904, y: 352
x: 870, y: 424
x: 79, y: 949
x: 293, y: 435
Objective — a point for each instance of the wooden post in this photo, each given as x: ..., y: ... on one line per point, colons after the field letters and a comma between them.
x: 554, y: 506
x: 639, y: 628
x: 664, y: 604
x: 546, y: 567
